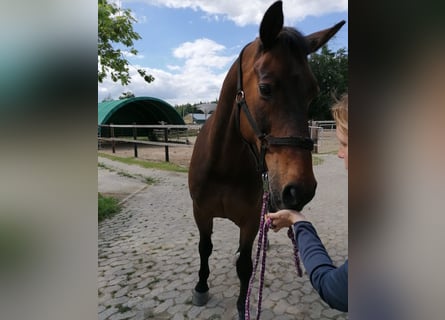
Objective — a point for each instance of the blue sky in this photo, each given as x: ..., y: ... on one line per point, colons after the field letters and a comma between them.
x: 188, y: 45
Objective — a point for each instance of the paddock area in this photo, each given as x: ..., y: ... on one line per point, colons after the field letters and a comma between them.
x: 148, y: 254
x: 327, y: 143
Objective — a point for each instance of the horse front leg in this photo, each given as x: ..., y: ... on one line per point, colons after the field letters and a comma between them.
x: 201, y: 293
x: 244, y: 266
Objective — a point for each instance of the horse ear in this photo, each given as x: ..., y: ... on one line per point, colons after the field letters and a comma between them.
x: 271, y: 24
x: 317, y: 39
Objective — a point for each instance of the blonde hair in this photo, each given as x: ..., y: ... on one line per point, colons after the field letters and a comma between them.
x: 340, y: 113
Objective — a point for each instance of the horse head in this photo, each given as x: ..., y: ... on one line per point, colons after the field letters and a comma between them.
x: 277, y: 87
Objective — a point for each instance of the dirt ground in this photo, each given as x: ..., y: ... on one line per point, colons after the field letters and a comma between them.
x: 181, y: 155
x: 177, y: 155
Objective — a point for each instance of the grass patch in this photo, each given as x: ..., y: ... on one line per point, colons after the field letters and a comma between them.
x: 147, y: 180
x: 330, y: 152
x: 166, y: 166
x: 107, y: 207
x: 316, y: 160
x: 125, y: 174
x: 102, y: 165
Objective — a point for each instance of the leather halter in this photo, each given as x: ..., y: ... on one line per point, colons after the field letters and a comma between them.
x: 266, y: 139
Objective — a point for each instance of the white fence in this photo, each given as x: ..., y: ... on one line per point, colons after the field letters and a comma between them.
x: 323, y: 135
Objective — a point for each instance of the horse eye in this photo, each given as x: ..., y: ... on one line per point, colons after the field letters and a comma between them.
x: 265, y: 90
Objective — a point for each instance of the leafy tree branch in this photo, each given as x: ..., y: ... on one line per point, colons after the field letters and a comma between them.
x: 115, y: 27
x: 331, y: 71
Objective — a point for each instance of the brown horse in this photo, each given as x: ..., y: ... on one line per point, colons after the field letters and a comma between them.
x: 260, y: 124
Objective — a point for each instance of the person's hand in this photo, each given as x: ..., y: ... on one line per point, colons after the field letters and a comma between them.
x: 284, y: 218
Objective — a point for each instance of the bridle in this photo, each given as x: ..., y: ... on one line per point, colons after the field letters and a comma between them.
x: 266, y: 139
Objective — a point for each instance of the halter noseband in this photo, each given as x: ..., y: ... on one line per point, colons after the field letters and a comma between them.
x: 265, y: 139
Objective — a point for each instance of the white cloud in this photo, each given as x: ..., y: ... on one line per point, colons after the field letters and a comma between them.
x: 141, y: 19
x: 173, y: 68
x: 128, y: 54
x: 201, y: 54
x: 199, y: 79
x: 204, y: 62
x: 251, y: 12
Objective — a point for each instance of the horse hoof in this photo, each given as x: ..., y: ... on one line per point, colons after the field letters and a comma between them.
x: 200, y: 298
x: 241, y: 316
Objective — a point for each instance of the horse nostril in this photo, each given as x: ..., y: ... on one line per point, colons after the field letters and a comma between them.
x: 295, y: 196
x: 290, y: 196
x: 293, y: 192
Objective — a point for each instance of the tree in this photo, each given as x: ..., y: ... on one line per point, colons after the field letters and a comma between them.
x: 126, y: 95
x: 331, y: 71
x: 107, y: 98
x: 185, y: 109
x: 115, y: 28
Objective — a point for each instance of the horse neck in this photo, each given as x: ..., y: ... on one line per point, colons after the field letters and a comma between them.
x: 225, y: 124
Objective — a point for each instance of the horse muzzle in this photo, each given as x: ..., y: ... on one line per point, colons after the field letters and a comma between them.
x: 293, y: 196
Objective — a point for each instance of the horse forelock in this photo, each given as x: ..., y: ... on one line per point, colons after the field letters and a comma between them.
x: 289, y: 38
x: 294, y: 40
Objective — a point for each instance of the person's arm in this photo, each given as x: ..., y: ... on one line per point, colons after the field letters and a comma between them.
x: 329, y: 281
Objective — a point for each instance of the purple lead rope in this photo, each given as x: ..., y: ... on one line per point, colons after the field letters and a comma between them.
x: 262, y: 240
x: 262, y: 247
x: 290, y: 234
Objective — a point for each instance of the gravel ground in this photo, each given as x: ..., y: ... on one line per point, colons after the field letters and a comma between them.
x: 148, y: 254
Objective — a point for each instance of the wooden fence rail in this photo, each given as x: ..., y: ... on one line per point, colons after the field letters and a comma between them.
x: 113, y: 139
x: 314, y: 126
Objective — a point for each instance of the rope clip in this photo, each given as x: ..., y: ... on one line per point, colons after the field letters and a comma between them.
x: 265, y: 178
